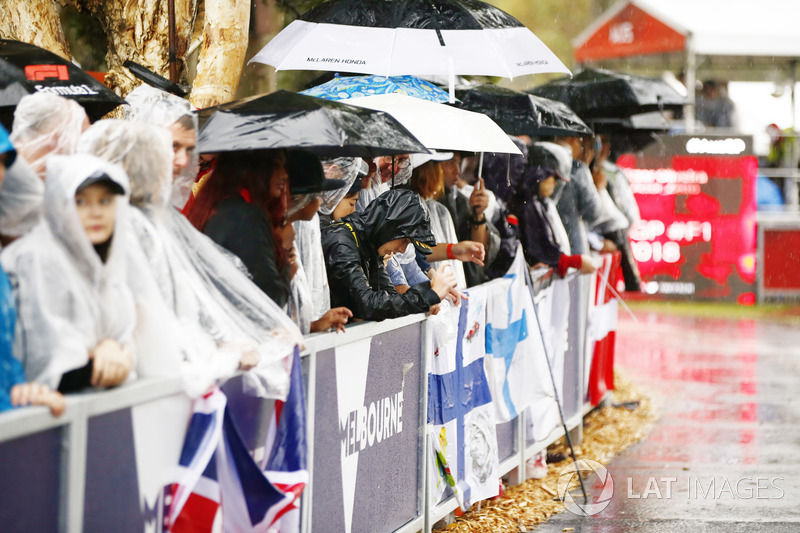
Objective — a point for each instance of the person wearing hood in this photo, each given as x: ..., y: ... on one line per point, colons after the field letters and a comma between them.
x: 355, y: 249
x: 310, y: 305
x: 529, y: 204
x: 14, y: 390
x: 44, y: 124
x: 76, y: 313
x: 160, y: 108
x: 577, y: 200
x: 213, y: 317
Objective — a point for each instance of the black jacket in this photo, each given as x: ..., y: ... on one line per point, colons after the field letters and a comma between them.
x: 535, y: 230
x: 243, y: 229
x: 356, y: 275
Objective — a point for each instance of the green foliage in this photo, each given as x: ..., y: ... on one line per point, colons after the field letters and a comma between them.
x: 86, y: 39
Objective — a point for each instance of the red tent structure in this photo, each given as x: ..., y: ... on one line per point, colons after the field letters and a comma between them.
x: 742, y: 40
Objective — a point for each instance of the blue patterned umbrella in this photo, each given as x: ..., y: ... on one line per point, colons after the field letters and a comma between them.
x: 360, y: 86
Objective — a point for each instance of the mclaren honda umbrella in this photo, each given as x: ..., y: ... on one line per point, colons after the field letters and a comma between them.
x: 418, y: 37
x: 520, y: 113
x: 47, y: 72
x: 288, y: 120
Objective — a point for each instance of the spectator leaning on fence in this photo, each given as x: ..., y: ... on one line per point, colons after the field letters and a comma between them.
x: 355, y: 249
x: 76, y: 313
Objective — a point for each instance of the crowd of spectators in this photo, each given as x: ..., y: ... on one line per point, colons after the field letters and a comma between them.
x: 127, y: 255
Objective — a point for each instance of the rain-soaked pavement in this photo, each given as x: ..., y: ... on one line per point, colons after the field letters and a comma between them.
x: 725, y: 454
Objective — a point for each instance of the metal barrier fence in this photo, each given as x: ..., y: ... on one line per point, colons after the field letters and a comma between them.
x: 106, y: 463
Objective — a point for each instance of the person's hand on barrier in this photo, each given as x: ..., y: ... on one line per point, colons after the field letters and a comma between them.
x: 469, y: 251
x: 608, y: 247
x: 112, y: 363
x: 336, y: 319
x: 38, y: 394
x: 434, y: 310
x: 587, y: 265
x: 249, y: 360
x: 443, y: 281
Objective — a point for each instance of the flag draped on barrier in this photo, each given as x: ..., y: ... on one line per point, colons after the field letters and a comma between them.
x: 219, y: 473
x: 602, y: 328
x: 460, y: 410
x: 515, y: 364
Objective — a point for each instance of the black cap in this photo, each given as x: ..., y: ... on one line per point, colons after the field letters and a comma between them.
x: 101, y: 177
x: 539, y: 156
x: 306, y: 174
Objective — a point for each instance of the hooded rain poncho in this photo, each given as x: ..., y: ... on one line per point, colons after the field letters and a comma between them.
x: 199, y: 281
x: 68, y: 299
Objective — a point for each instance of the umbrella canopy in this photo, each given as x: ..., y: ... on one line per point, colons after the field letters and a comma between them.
x: 519, y: 113
x: 288, y: 120
x: 47, y: 72
x: 595, y: 93
x: 441, y: 127
x: 646, y: 122
x: 343, y: 88
x: 419, y: 37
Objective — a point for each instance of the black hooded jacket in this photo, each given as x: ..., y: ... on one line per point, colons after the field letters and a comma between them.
x: 535, y: 231
x: 356, y: 275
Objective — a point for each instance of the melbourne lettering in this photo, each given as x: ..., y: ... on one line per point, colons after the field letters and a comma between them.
x: 371, y: 424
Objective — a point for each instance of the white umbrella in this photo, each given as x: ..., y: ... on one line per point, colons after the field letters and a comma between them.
x: 417, y: 37
x: 441, y: 127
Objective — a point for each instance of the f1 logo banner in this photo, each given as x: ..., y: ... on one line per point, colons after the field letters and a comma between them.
x: 43, y: 72
x: 369, y: 404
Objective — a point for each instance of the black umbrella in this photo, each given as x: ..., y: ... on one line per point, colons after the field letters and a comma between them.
x: 520, y: 113
x: 45, y: 71
x: 652, y: 122
x: 288, y: 120
x: 593, y: 93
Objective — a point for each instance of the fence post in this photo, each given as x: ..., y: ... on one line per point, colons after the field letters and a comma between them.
x: 73, y: 472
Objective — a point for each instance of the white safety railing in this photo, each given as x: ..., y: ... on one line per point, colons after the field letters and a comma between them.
x: 103, y: 465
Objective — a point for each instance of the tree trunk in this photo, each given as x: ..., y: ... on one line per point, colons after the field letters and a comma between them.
x: 35, y: 22
x: 139, y: 31
x: 225, y: 38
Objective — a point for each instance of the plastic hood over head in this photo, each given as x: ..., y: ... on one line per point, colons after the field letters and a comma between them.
x: 562, y: 154
x: 397, y: 214
x: 143, y: 150
x: 68, y: 298
x: 46, y: 124
x: 340, y: 168
x: 21, y: 196
x: 218, y: 314
x: 154, y: 106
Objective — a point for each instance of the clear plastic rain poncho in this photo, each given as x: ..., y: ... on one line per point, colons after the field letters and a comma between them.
x: 311, y: 297
x: 207, y: 291
x: 46, y: 124
x: 445, y: 231
x: 21, y: 195
x: 160, y: 108
x: 68, y: 300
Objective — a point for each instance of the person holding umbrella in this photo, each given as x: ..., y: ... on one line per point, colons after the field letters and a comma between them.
x: 355, y: 249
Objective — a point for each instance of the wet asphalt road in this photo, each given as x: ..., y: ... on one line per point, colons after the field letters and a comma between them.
x: 725, y: 454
